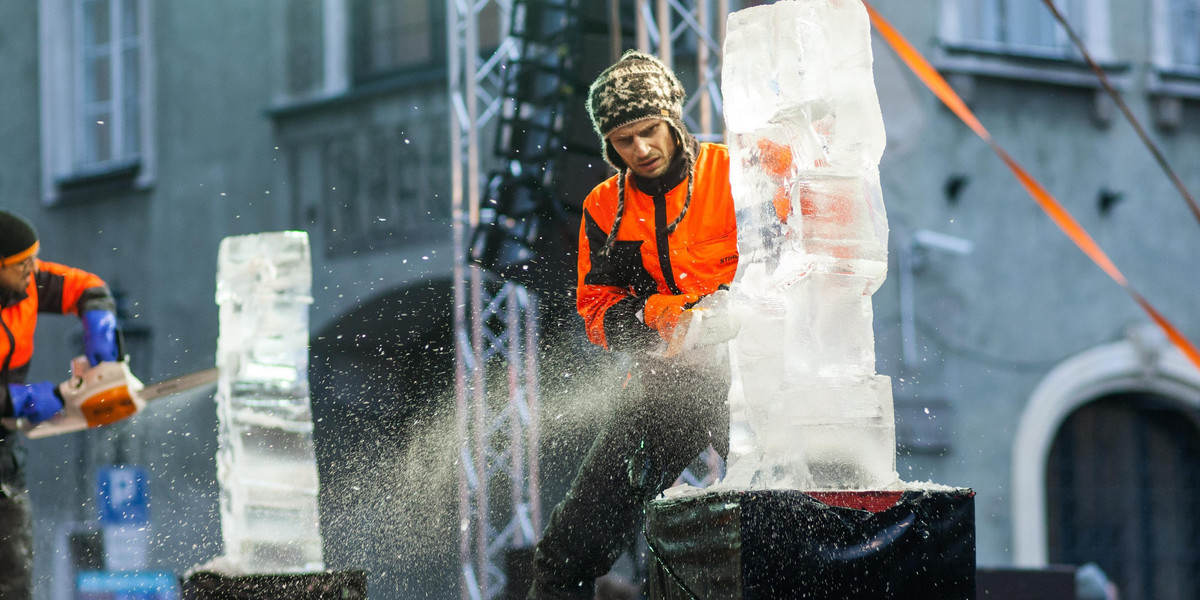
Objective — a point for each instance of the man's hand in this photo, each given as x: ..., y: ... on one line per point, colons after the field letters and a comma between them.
x: 713, y: 320
x: 100, y: 336
x: 662, y: 311
x: 35, y: 402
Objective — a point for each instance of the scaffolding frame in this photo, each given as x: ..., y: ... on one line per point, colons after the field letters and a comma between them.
x: 498, y: 438
x: 698, y: 22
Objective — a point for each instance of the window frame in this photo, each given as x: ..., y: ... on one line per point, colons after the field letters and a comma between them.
x: 1164, y: 43
x: 1169, y: 82
x: 331, y: 57
x: 957, y: 55
x: 359, y: 31
x: 65, y: 172
x: 338, y: 40
x: 952, y: 33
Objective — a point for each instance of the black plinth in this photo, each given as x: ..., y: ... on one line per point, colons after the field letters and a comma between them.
x: 776, y: 544
x: 329, y: 585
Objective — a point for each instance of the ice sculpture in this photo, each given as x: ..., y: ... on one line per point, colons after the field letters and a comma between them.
x: 806, y: 135
x: 266, y: 465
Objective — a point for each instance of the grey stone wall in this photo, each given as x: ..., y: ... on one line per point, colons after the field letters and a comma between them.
x: 367, y: 175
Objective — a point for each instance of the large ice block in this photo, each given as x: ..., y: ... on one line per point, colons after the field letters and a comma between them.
x: 805, y: 135
x: 266, y: 465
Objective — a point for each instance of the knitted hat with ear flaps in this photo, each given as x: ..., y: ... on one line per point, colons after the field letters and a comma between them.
x: 635, y: 88
x: 16, y: 235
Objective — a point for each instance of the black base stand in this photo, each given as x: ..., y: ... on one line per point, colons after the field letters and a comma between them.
x: 329, y: 585
x: 915, y: 545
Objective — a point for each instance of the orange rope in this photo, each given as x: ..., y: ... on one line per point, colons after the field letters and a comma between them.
x: 1057, y: 213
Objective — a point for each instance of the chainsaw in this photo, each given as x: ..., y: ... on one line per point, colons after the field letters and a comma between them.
x: 105, y: 394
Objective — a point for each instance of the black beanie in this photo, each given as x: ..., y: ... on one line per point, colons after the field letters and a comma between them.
x: 636, y: 87
x: 16, y: 236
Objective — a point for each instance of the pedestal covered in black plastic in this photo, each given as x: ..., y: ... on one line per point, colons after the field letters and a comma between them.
x: 328, y: 585
x: 775, y: 544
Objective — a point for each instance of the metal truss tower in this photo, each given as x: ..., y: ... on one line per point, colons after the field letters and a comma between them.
x: 665, y: 26
x: 495, y: 320
x: 496, y: 372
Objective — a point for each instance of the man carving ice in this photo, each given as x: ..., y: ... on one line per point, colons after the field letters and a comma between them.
x: 29, y: 286
x: 656, y: 239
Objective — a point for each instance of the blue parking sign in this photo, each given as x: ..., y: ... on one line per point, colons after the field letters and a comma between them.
x: 123, y: 495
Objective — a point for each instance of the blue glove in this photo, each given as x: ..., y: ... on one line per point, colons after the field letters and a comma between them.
x: 35, y: 402
x: 100, y: 336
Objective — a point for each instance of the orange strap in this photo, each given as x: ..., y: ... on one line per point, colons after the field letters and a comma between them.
x: 938, y: 85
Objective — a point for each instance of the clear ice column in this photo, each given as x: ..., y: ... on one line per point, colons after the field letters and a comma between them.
x: 266, y: 466
x: 805, y: 138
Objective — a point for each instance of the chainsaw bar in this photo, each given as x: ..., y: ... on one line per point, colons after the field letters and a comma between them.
x: 179, y: 384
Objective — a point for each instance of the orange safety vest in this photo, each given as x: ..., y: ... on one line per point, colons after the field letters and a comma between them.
x: 54, y: 288
x: 700, y: 255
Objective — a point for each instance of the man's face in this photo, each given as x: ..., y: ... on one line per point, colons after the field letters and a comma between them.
x: 646, y: 146
x: 16, y: 276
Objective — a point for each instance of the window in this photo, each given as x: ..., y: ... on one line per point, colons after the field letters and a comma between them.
x: 109, y: 103
x: 95, y: 95
x: 334, y: 46
x: 305, y: 47
x: 1181, y: 29
x: 1024, y: 28
x: 391, y: 37
x: 1176, y: 60
x: 395, y: 35
x: 1021, y: 40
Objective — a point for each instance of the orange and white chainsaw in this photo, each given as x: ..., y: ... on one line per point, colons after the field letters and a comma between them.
x: 105, y: 394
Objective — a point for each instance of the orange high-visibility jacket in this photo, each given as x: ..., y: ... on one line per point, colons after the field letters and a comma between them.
x: 700, y: 255
x: 54, y: 288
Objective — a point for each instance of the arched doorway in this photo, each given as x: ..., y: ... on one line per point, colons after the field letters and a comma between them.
x: 1127, y: 381
x: 1123, y: 491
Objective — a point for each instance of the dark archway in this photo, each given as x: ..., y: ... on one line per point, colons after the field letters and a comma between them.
x: 381, y: 381
x: 1123, y: 491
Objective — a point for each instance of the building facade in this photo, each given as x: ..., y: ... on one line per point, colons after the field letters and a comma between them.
x: 1021, y: 369
x: 139, y: 133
